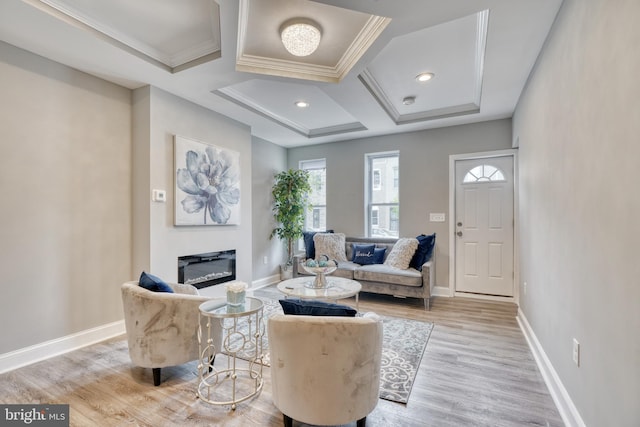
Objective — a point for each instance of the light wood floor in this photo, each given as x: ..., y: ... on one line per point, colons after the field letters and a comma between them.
x: 476, y: 371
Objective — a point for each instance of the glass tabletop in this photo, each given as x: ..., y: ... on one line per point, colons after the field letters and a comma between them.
x: 218, y: 307
x: 337, y: 288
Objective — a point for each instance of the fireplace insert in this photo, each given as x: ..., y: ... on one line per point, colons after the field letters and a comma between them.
x: 207, y: 269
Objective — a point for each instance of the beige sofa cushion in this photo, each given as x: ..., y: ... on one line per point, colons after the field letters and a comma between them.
x: 346, y: 269
x: 386, y: 274
x: 331, y: 245
x: 402, y: 253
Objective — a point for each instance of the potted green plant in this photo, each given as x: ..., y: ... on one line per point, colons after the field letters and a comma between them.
x: 290, y: 201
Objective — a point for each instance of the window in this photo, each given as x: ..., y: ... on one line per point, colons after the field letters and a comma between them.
x: 484, y: 173
x: 315, y: 218
x: 381, y: 198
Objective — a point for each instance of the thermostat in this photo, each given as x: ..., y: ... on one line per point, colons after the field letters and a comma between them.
x: 159, y: 196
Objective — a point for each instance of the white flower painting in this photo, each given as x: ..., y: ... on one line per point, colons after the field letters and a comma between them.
x: 207, y: 184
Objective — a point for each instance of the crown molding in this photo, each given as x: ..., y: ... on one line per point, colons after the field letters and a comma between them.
x: 197, y: 54
x: 303, y: 69
x: 472, y: 107
x: 238, y: 98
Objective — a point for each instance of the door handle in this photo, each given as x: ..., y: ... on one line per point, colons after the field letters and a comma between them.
x: 459, y: 233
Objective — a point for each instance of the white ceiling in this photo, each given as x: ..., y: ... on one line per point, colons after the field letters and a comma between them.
x: 226, y: 56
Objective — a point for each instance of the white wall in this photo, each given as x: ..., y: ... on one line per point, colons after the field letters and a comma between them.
x: 577, y: 125
x: 65, y: 186
x: 168, y: 116
x: 268, y: 160
x: 424, y: 178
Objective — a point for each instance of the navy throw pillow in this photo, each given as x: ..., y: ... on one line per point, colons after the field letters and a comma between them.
x: 378, y: 255
x: 424, y: 251
x: 315, y: 308
x: 364, y: 254
x: 154, y: 283
x: 309, y: 247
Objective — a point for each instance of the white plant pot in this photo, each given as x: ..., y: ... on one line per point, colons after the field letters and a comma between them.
x: 286, y: 272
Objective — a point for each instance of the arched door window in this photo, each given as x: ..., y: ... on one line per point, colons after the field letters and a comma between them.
x: 484, y: 173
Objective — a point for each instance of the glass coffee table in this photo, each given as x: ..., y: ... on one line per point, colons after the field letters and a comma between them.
x: 337, y: 288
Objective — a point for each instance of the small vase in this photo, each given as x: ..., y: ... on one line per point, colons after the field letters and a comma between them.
x: 235, y: 298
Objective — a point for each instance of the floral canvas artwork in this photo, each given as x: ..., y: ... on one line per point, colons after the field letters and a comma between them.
x: 207, y: 184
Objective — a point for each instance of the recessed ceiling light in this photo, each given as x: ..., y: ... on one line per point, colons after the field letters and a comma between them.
x: 300, y: 36
x: 408, y: 100
x: 424, y: 77
x: 301, y: 104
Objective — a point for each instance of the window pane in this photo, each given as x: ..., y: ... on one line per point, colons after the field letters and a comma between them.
x: 375, y: 214
x: 384, y: 190
x: 316, y: 216
x: 382, y: 199
x: 376, y: 179
x: 489, y: 170
x: 386, y: 222
x: 484, y: 173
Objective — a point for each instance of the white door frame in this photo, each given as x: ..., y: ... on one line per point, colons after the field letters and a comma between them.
x: 452, y: 215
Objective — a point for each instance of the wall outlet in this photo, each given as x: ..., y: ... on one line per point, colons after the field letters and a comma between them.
x: 265, y: 260
x: 576, y: 352
x: 436, y: 217
x: 524, y: 287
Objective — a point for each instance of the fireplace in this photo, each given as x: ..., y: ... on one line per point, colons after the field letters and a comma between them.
x: 207, y: 269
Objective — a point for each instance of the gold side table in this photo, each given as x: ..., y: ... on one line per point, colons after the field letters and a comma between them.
x: 242, y: 331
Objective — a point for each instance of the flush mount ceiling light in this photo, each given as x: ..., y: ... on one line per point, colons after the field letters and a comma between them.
x: 408, y: 100
x: 300, y: 36
x: 301, y: 104
x: 424, y: 77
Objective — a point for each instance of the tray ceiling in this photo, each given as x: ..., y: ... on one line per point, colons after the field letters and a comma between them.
x: 226, y: 55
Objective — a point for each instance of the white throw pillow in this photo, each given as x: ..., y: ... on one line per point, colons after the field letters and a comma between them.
x: 401, y: 253
x: 331, y: 245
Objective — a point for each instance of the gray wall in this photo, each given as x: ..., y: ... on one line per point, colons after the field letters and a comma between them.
x: 168, y: 115
x: 424, y: 177
x: 65, y: 186
x: 578, y: 124
x: 267, y: 160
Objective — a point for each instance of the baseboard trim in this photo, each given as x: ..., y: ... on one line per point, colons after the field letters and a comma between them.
x: 35, y: 353
x: 265, y: 281
x: 484, y: 297
x: 440, y: 291
x: 567, y: 409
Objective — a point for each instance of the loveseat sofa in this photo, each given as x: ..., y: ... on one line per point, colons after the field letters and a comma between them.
x: 380, y: 278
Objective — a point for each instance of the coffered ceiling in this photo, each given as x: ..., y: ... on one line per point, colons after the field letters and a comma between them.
x: 226, y: 55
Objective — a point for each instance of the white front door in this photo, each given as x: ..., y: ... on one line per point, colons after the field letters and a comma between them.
x: 484, y: 226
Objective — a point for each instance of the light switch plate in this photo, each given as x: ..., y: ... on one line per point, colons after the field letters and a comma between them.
x: 436, y: 217
x: 159, y: 196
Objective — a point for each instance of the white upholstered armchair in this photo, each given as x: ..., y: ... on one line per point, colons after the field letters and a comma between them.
x: 325, y: 370
x: 162, y: 327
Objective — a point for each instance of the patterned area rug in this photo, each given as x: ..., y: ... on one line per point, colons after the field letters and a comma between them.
x: 403, y: 344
